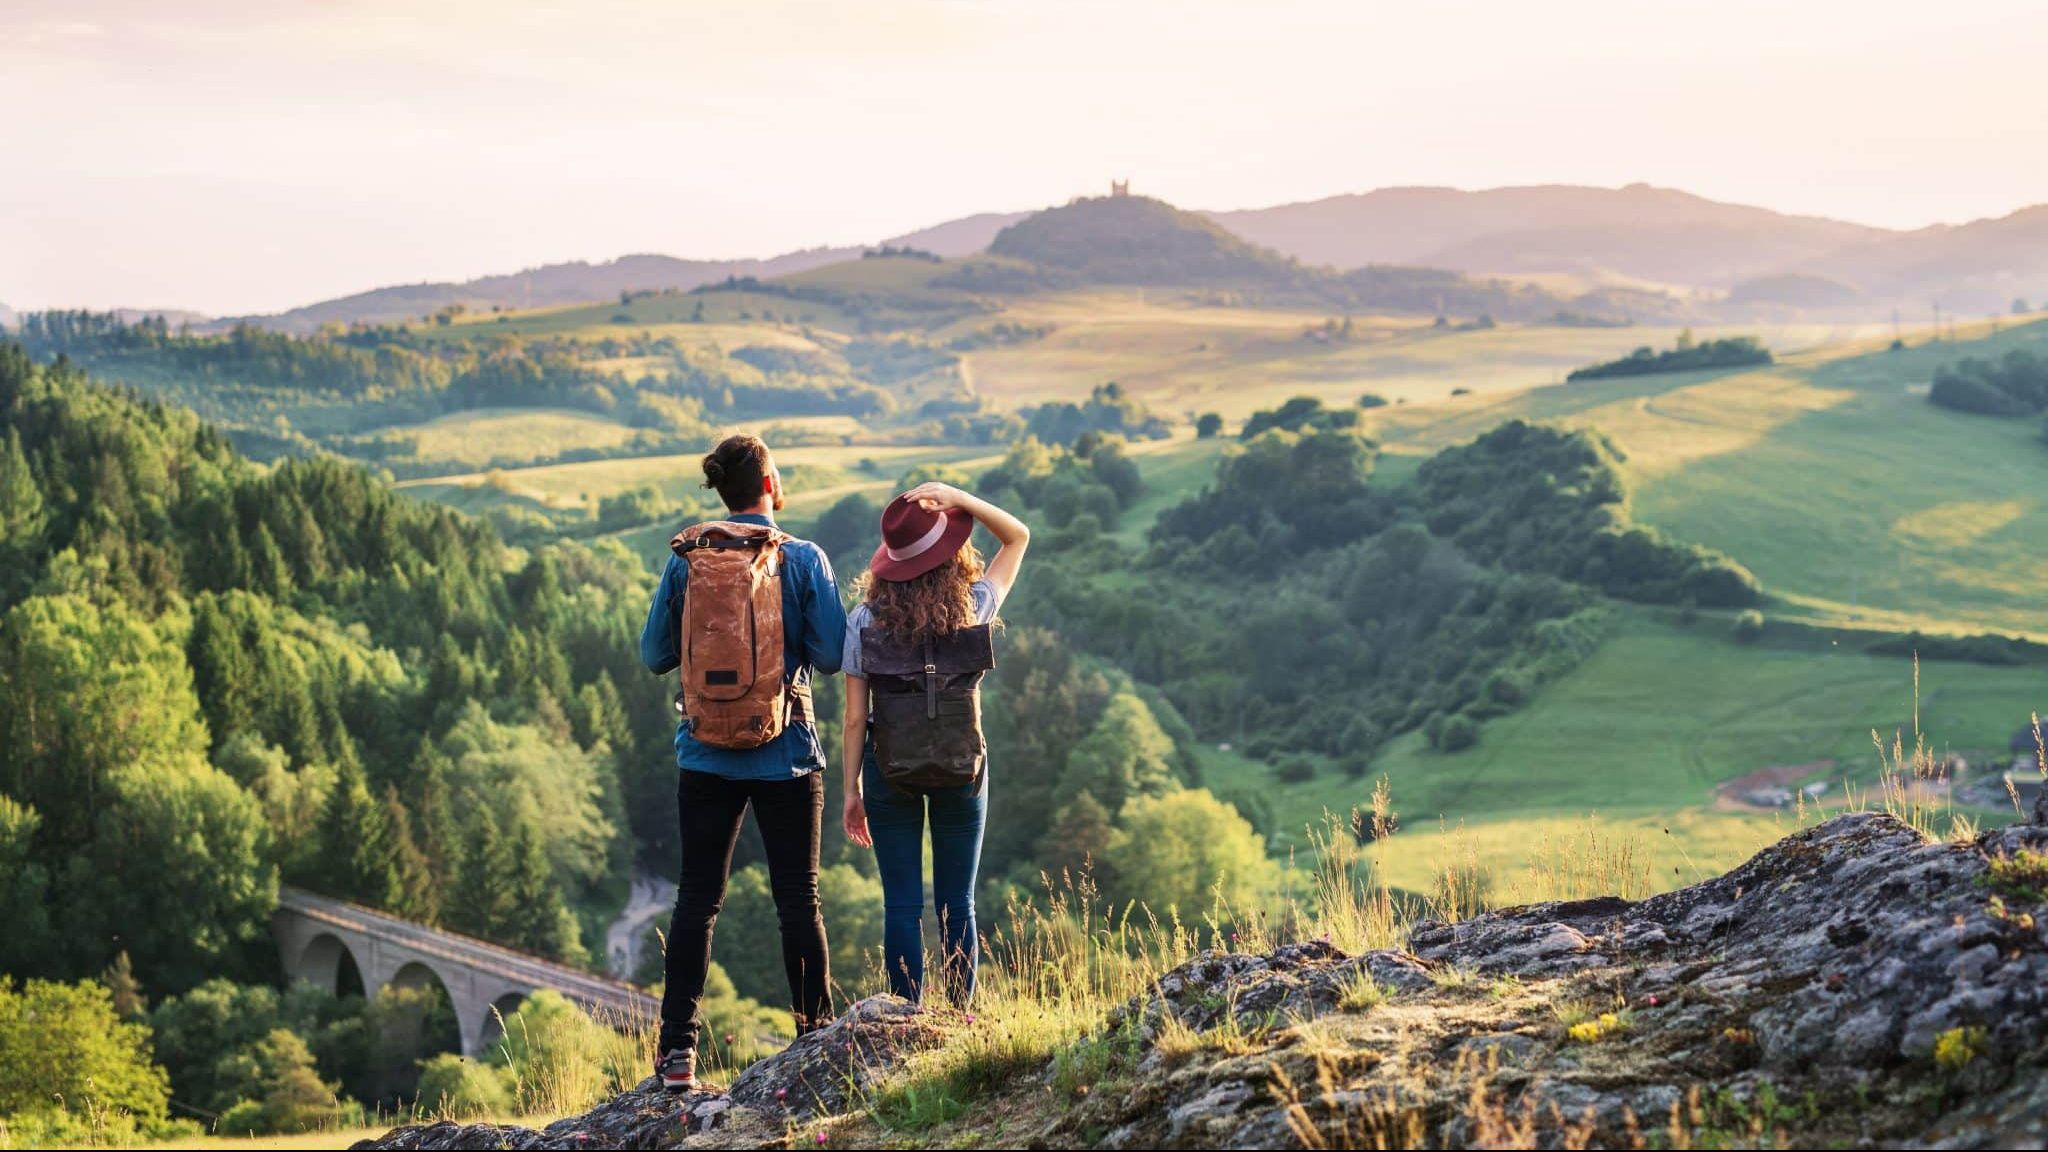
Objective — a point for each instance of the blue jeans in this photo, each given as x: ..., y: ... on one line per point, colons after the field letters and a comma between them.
x: 896, y: 819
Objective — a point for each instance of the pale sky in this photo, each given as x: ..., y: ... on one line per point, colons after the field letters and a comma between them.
x: 250, y: 155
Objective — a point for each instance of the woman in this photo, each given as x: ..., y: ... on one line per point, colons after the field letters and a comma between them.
x: 926, y: 590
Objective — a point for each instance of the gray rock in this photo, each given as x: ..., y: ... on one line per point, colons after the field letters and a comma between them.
x: 816, y: 1075
x: 822, y: 1073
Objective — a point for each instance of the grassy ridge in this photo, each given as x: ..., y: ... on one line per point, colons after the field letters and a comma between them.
x: 1829, y: 475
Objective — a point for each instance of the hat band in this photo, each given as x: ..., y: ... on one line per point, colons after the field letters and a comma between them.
x: 921, y: 547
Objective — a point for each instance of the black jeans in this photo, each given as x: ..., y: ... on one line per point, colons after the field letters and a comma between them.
x: 790, y: 814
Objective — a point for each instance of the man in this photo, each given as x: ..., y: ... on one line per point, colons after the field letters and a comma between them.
x: 782, y: 779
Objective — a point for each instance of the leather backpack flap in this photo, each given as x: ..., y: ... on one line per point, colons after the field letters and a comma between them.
x: 733, y: 686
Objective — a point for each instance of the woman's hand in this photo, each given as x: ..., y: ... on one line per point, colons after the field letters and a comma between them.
x: 856, y: 820
x: 934, y: 496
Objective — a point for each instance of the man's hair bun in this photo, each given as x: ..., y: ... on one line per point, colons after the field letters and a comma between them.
x: 736, y: 468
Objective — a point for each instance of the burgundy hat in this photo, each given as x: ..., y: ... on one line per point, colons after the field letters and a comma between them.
x: 915, y: 541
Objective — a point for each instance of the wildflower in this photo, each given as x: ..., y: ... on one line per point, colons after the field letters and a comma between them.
x: 1652, y: 1001
x: 970, y: 1017
x: 781, y: 1092
x: 821, y: 1137
x: 728, y: 1037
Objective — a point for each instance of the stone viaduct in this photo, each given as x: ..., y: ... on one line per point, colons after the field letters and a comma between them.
x: 484, y: 982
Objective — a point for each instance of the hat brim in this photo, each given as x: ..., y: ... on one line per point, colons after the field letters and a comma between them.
x: 959, y: 526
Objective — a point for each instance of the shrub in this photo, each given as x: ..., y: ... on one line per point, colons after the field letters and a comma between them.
x: 63, y: 1049
x: 1294, y: 770
x: 2013, y: 385
x: 280, y: 1091
x: 1209, y: 426
x: 457, y: 1089
x: 1457, y: 734
x: 1184, y: 850
x: 1749, y: 625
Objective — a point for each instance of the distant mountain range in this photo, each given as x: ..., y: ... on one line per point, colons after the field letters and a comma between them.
x: 580, y: 282
x: 1977, y: 266
x: 1639, y: 233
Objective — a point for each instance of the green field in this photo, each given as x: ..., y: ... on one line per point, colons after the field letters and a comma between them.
x: 1643, y: 731
x: 1183, y: 359
x: 478, y: 436
x: 1830, y: 475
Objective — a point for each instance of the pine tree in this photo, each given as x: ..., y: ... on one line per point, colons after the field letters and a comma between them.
x: 221, y: 673
x: 601, y: 715
x: 434, y: 816
x: 543, y: 923
x: 269, y: 573
x: 412, y: 893
x: 119, y: 977
x: 355, y: 840
x: 21, y: 501
x: 485, y: 902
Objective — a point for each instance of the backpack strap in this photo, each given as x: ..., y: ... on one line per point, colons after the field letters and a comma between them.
x: 931, y: 680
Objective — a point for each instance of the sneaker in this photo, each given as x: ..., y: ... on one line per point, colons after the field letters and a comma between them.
x: 677, y: 1069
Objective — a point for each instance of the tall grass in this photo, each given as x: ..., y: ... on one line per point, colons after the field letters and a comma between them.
x: 1914, y: 785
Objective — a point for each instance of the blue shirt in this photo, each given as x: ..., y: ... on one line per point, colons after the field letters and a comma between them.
x: 813, y: 634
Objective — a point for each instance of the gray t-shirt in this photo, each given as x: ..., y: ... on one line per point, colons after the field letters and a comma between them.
x: 986, y: 603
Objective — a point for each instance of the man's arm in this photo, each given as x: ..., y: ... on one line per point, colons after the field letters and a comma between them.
x: 824, y: 616
x: 661, y: 639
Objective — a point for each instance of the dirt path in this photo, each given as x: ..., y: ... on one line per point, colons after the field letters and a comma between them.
x: 1728, y: 794
x: 623, y: 940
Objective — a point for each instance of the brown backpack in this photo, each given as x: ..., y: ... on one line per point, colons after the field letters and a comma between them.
x: 734, y: 691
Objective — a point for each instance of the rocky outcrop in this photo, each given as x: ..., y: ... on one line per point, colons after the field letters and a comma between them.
x: 822, y: 1074
x: 1853, y: 985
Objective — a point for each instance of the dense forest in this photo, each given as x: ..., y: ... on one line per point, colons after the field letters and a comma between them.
x: 216, y: 678
x: 1687, y: 356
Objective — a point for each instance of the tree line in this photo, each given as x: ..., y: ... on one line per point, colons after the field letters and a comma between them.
x: 1686, y: 356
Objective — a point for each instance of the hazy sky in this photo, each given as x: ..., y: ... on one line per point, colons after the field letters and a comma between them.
x: 245, y: 155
